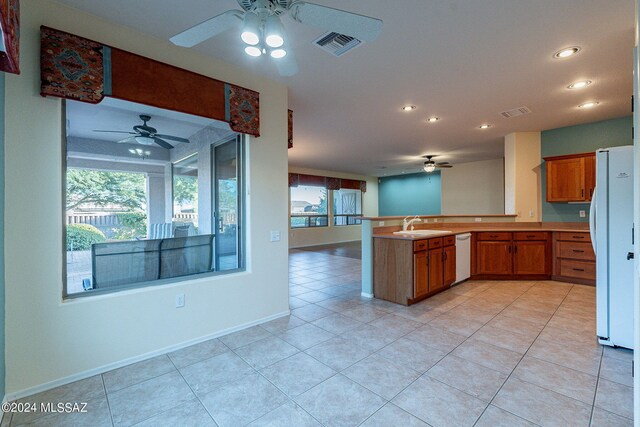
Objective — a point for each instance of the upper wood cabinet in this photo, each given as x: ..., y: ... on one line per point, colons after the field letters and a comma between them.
x: 571, y: 178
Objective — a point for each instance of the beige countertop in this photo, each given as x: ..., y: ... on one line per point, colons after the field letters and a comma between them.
x: 462, y: 230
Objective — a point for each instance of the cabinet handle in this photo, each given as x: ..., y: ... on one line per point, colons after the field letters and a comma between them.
x: 531, y: 236
x: 582, y: 193
x: 509, y: 249
x: 493, y: 236
x: 578, y: 237
x: 515, y: 249
x: 578, y: 269
x: 578, y: 251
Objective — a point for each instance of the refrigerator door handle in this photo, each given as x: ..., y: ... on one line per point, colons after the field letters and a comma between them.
x: 592, y: 218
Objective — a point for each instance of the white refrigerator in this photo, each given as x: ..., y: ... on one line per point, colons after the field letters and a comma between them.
x: 611, y: 225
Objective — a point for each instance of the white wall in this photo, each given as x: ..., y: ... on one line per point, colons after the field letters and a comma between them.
x: 522, y: 176
x: 473, y: 188
x: 49, y: 340
x: 325, y: 235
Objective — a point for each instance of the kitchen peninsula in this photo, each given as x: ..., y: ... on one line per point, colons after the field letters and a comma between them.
x: 406, y: 268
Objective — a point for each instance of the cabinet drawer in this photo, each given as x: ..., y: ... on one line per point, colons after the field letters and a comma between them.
x: 435, y: 243
x: 449, y: 240
x: 493, y: 236
x: 530, y: 235
x: 578, y: 269
x: 574, y: 237
x: 576, y: 250
x: 420, y: 245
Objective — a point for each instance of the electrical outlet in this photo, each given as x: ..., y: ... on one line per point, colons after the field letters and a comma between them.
x: 478, y: 219
x: 531, y: 213
x: 380, y: 223
x: 275, y: 236
x: 435, y: 219
x: 179, y: 300
x: 583, y: 214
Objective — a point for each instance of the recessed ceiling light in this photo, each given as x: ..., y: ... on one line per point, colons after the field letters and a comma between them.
x: 485, y: 126
x: 433, y: 119
x: 566, y: 52
x: 408, y: 108
x: 579, y: 85
x: 589, y: 104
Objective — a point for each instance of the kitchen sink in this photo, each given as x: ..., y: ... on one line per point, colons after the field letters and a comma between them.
x: 422, y: 232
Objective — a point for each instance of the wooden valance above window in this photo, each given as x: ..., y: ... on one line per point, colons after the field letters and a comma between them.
x: 330, y: 183
x: 73, y: 67
x: 10, y: 36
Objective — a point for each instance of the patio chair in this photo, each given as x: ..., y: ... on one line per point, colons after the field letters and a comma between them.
x: 160, y: 231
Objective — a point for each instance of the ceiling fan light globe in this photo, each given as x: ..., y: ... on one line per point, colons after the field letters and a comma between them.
x: 253, y: 51
x: 429, y: 167
x: 274, y: 32
x: 250, y: 38
x: 251, y: 29
x: 274, y: 40
x: 278, y: 53
x: 144, y: 140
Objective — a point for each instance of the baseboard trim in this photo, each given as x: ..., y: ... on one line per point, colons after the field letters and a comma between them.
x: 323, y: 243
x: 115, y: 365
x: 366, y: 295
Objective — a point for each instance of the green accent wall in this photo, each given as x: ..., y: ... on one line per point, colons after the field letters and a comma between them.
x: 579, y: 139
x: 2, y: 322
x: 412, y: 194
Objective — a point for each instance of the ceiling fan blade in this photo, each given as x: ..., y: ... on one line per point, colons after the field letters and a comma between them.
x: 207, y: 29
x: 442, y: 163
x: 444, y: 166
x: 162, y: 143
x: 287, y: 66
x: 359, y: 26
x: 129, y: 140
x: 115, y: 131
x: 172, y: 138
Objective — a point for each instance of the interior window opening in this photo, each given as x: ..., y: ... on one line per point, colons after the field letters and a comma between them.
x: 151, y: 196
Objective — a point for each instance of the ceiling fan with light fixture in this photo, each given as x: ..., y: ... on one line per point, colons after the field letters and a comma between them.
x: 146, y: 135
x: 263, y: 32
x: 430, y: 165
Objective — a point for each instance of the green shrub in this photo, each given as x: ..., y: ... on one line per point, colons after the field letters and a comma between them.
x: 134, y: 224
x: 80, y: 237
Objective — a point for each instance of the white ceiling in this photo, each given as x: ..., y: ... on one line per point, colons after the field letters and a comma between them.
x: 114, y: 114
x: 461, y: 60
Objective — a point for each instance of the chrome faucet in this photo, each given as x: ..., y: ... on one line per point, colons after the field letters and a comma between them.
x: 406, y: 224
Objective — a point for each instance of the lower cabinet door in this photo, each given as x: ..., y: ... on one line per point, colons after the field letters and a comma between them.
x: 530, y: 258
x: 494, y: 258
x: 449, y: 265
x: 436, y: 270
x: 421, y: 274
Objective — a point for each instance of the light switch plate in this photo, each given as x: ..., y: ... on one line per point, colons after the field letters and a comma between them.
x: 275, y: 236
x: 478, y: 219
x: 583, y: 214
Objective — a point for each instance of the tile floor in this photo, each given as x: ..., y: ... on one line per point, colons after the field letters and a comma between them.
x: 481, y: 353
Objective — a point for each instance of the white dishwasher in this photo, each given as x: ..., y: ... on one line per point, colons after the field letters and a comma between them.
x: 463, y: 257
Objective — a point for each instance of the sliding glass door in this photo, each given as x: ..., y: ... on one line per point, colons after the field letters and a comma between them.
x: 227, y: 211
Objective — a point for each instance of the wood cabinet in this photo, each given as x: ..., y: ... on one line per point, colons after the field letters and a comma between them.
x: 406, y: 271
x: 575, y: 260
x: 516, y: 255
x: 571, y: 178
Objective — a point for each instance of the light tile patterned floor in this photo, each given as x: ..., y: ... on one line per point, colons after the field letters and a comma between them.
x: 481, y: 353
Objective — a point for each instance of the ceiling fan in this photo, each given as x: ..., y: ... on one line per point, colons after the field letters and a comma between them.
x: 430, y: 165
x: 263, y: 32
x: 146, y: 135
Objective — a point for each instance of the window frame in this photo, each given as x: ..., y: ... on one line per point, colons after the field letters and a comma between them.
x: 241, y: 142
x: 331, y: 215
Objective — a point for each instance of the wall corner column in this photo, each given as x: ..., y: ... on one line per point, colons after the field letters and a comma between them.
x: 522, y: 176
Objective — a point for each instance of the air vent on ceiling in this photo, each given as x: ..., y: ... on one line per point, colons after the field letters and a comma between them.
x: 520, y: 111
x: 336, y: 44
